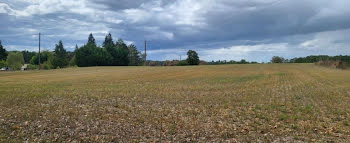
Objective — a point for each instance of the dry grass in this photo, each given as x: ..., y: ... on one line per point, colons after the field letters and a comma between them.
x: 236, y: 103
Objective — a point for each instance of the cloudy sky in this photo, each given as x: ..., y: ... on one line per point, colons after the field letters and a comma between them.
x: 254, y: 30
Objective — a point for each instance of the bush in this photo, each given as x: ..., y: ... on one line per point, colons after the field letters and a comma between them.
x: 47, y: 65
x: 33, y: 67
x: 182, y: 63
x: 334, y: 64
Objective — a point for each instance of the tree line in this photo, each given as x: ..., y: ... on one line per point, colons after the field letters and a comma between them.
x: 223, y: 62
x: 311, y: 59
x: 120, y: 54
x: 110, y: 54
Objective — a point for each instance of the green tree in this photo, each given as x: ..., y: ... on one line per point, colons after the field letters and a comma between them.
x: 72, y: 61
x: 91, y: 55
x: 134, y: 56
x: 243, y: 61
x: 28, y: 56
x: 85, y: 56
x: 60, y: 58
x: 3, y: 52
x: 91, y: 40
x: 44, y: 56
x: 15, y: 60
x: 192, y: 58
x: 108, y: 44
x: 122, y: 53
x: 108, y: 41
x: 182, y: 63
x: 277, y: 59
x: 76, y: 47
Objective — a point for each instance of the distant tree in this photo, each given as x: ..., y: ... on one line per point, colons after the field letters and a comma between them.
x: 60, y: 56
x: 192, y: 58
x: 15, y: 60
x: 314, y: 59
x: 91, y: 55
x: 122, y: 53
x: 44, y: 56
x: 3, y: 52
x: 91, y: 40
x: 134, y: 56
x: 76, y: 48
x: 243, y: 61
x: 108, y: 41
x: 85, y: 56
x: 28, y: 56
x: 277, y: 59
x: 72, y: 61
x: 108, y: 44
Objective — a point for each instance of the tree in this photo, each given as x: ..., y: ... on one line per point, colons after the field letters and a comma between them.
x: 122, y: 53
x: 44, y: 56
x: 60, y: 56
x: 108, y: 41
x: 134, y: 56
x: 243, y: 61
x: 277, y: 59
x: 91, y: 55
x: 28, y: 56
x: 72, y: 61
x: 91, y: 40
x: 15, y: 60
x: 192, y: 58
x: 3, y: 52
x: 108, y: 44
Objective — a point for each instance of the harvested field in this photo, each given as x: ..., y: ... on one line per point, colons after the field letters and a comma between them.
x: 237, y: 103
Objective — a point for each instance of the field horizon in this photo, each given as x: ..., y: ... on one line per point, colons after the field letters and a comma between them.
x: 211, y: 103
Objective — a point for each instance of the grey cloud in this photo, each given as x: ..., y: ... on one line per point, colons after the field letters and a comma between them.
x: 192, y: 24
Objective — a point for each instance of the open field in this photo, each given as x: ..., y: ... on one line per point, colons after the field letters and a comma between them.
x: 238, y: 103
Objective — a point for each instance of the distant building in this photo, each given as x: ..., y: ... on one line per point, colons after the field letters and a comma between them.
x: 24, y: 67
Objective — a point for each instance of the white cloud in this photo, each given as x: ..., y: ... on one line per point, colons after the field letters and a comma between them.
x: 329, y: 41
x: 237, y: 52
x: 5, y: 8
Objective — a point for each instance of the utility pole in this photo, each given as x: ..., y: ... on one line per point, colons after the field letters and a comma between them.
x: 145, y: 52
x: 39, y: 50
